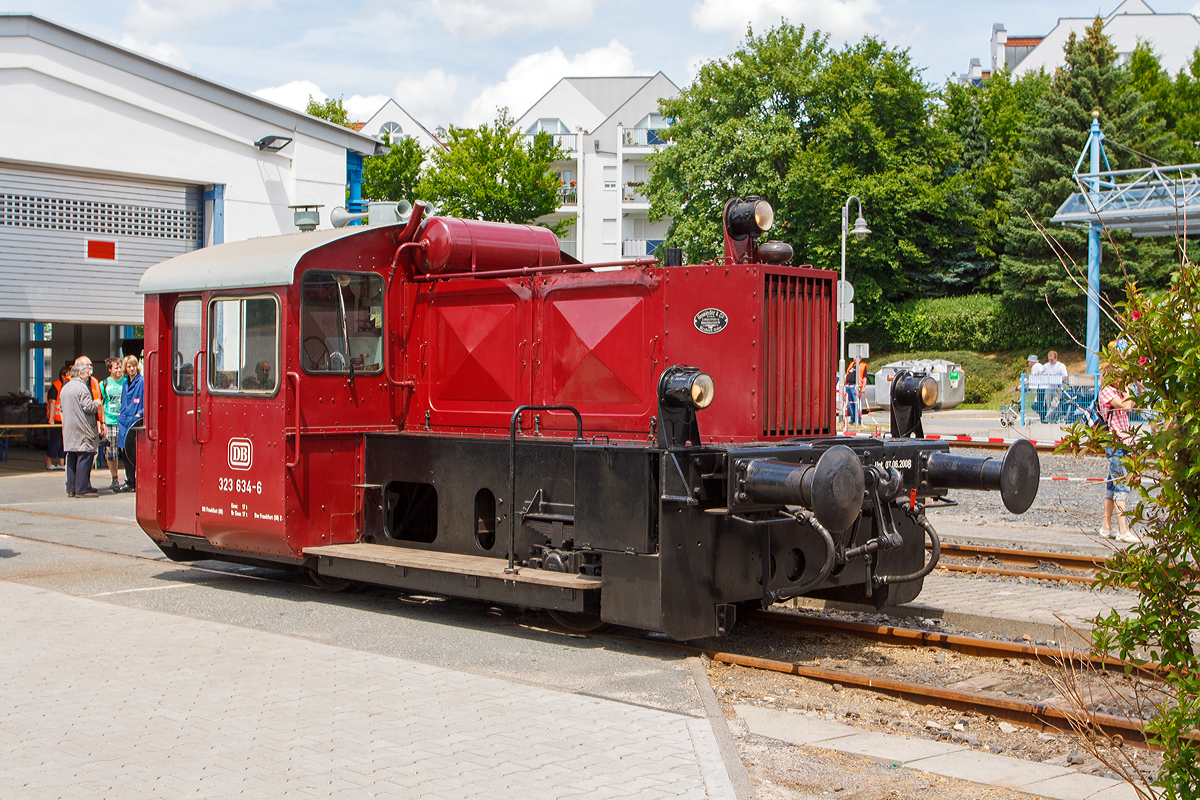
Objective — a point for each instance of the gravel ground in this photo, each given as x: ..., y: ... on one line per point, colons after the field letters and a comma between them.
x: 1076, y: 505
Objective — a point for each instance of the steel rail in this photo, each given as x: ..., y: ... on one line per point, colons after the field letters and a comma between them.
x: 967, y: 645
x: 1076, y: 561
x: 1038, y: 716
x: 1015, y: 573
x: 1020, y: 558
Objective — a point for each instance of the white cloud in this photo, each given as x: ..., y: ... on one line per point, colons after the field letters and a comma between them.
x: 431, y: 98
x: 294, y: 94
x: 170, y: 53
x: 360, y: 108
x: 843, y: 19
x: 532, y: 76
x: 163, y: 16
x: 494, y: 17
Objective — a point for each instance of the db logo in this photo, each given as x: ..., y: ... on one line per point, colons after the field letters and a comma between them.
x: 241, y: 454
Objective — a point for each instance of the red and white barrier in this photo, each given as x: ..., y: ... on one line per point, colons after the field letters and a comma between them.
x: 974, y: 439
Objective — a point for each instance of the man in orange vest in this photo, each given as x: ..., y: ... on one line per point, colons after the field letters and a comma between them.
x: 55, y: 455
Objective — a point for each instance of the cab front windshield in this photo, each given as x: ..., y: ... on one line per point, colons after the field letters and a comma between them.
x: 341, y: 323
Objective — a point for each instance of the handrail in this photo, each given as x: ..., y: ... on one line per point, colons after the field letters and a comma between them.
x: 529, y: 271
x: 196, y: 394
x: 150, y: 434
x: 296, y: 377
x: 512, y: 471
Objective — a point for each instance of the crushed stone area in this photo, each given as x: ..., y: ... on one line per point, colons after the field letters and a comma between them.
x: 1077, y: 506
x: 780, y: 769
x: 1023, y: 581
x: 910, y: 623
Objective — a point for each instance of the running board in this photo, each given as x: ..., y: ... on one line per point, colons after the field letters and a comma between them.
x: 475, y: 577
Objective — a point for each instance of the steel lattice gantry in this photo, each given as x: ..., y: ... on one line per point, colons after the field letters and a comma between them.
x: 1156, y: 201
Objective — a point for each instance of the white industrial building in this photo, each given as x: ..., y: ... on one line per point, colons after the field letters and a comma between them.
x: 111, y: 162
x: 1174, y: 38
x: 607, y: 126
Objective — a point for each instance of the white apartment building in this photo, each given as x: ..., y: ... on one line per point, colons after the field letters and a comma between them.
x: 1174, y: 38
x: 393, y: 121
x: 608, y: 126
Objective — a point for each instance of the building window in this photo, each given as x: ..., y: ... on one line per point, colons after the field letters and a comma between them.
x: 550, y: 126
x: 609, y: 230
x: 185, y: 343
x: 341, y: 322
x: 243, y: 351
x: 610, y: 177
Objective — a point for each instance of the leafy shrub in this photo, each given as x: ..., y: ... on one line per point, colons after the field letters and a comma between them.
x: 979, y: 323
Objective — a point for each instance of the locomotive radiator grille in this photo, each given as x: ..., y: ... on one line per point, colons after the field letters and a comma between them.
x: 797, y: 381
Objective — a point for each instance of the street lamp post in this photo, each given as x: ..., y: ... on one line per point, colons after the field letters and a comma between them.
x: 860, y: 231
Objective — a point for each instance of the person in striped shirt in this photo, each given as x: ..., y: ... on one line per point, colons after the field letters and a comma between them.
x: 1115, y: 406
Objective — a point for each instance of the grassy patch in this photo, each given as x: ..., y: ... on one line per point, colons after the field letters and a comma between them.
x: 991, y: 377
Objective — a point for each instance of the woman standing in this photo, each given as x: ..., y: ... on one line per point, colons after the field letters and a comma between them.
x: 131, y: 412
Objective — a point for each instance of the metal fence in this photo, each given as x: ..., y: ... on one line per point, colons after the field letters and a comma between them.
x: 1060, y: 401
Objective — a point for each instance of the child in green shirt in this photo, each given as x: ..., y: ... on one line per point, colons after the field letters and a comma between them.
x: 110, y: 398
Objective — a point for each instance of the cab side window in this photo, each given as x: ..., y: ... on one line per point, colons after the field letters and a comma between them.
x: 243, y: 345
x: 185, y: 343
x: 341, y: 323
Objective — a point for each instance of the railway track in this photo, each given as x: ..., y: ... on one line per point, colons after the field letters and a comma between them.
x: 1078, y: 568
x: 1032, y: 715
x: 967, y: 645
x: 1035, y: 715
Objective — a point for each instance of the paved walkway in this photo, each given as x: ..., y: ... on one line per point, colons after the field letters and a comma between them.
x: 940, y: 758
x: 101, y: 701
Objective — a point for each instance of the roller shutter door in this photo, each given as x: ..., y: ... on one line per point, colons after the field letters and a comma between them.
x: 73, y: 245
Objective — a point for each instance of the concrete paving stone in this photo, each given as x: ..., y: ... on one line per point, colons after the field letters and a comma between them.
x: 1074, y: 786
x: 1014, y: 773
x: 1122, y: 791
x: 793, y: 728
x: 310, y: 738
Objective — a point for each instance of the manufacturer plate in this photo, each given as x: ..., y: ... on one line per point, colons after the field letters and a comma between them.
x: 711, y: 320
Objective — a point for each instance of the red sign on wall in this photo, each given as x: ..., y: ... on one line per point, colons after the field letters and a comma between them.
x: 104, y: 250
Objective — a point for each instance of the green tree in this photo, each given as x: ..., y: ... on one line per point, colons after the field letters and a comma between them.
x: 331, y: 110
x: 989, y: 120
x: 804, y: 125
x: 395, y: 174
x: 493, y: 172
x: 1091, y: 79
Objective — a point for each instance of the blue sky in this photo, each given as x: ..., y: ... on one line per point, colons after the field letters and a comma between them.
x: 457, y: 60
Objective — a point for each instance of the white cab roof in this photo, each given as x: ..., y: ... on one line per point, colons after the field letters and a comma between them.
x: 249, y: 264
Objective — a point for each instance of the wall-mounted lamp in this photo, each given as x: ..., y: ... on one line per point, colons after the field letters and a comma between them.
x: 273, y: 144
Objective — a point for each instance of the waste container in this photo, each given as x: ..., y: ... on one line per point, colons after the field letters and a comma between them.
x: 950, y: 377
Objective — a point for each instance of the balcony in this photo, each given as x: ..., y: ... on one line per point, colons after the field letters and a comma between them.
x: 645, y: 137
x: 634, y: 192
x: 639, y: 248
x: 566, y: 141
x: 570, y: 248
x: 568, y: 196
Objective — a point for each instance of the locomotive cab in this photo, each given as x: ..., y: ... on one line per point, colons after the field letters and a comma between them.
x: 455, y: 406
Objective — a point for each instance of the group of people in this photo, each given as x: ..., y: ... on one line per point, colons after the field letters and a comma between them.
x: 856, y: 389
x: 95, y: 417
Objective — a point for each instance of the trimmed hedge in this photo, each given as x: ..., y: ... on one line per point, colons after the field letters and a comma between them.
x: 979, y: 323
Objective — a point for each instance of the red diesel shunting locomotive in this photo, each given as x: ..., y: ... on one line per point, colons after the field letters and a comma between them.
x: 455, y: 406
